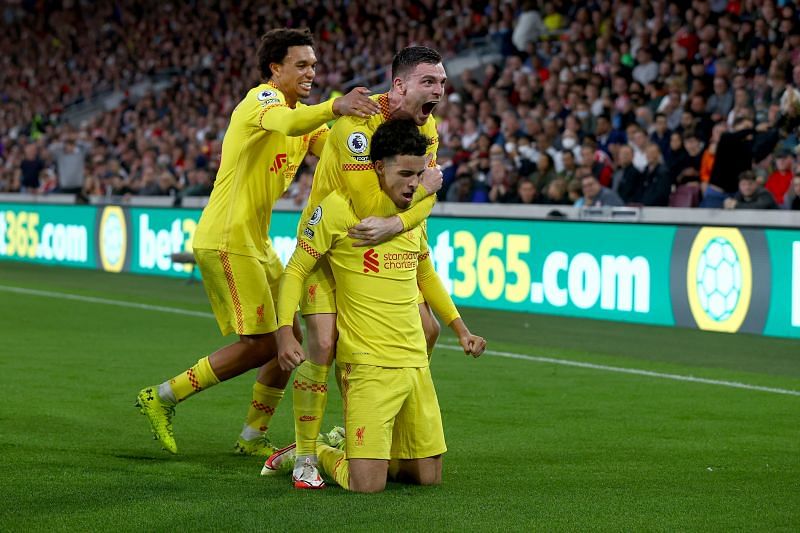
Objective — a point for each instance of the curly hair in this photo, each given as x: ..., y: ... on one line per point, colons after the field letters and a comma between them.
x: 275, y: 45
x: 397, y: 137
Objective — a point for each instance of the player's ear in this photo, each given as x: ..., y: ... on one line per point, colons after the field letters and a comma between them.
x: 275, y: 68
x: 379, y: 168
x: 399, y: 85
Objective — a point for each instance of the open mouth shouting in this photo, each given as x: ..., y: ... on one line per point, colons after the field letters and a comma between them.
x: 427, y: 107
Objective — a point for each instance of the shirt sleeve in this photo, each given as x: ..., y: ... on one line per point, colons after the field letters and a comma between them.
x: 270, y: 112
x: 432, y: 287
x: 318, y: 139
x: 321, y: 231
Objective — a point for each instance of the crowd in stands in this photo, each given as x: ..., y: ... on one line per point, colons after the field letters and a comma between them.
x: 606, y: 102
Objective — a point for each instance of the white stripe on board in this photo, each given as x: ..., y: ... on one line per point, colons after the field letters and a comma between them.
x: 509, y: 355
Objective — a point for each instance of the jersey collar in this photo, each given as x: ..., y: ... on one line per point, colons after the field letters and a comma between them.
x: 383, y: 101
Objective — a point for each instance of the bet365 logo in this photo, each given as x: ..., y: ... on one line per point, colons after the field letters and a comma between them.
x: 371, y: 261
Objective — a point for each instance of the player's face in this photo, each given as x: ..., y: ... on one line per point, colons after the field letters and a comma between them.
x: 422, y: 89
x: 295, y: 75
x: 400, y: 177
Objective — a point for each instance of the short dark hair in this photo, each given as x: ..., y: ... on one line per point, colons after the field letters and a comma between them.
x: 408, y: 58
x: 397, y: 137
x: 748, y: 175
x: 275, y: 45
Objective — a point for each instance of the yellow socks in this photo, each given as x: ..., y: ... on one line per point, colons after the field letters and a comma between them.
x: 197, y: 378
x: 309, y: 396
x: 334, y: 463
x: 262, y: 407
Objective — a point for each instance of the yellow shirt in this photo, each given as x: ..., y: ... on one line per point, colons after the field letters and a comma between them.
x: 376, y: 288
x: 265, y: 142
x: 345, y: 166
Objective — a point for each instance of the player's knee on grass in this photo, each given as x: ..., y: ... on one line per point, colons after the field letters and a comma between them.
x: 427, y: 471
x: 368, y: 475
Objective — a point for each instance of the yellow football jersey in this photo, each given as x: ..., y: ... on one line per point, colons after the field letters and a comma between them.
x: 265, y: 143
x: 376, y: 288
x: 345, y: 166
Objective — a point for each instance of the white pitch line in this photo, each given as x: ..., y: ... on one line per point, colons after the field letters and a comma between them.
x: 106, y: 301
x: 623, y: 370
x: 496, y: 353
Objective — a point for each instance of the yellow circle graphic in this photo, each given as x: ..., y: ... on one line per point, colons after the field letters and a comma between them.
x: 113, y: 239
x: 719, y: 279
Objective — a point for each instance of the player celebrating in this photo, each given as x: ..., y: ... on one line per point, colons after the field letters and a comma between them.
x: 391, y: 409
x: 269, y: 134
x: 418, y: 85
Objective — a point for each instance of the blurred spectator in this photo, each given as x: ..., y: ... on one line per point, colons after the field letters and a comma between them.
x: 792, y: 200
x: 545, y: 172
x: 595, y: 195
x: 750, y: 195
x: 31, y: 168
x: 780, y: 180
x: 736, y: 152
x: 626, y: 177
x: 70, y: 155
x: 556, y: 193
x: 721, y: 102
x: 526, y: 193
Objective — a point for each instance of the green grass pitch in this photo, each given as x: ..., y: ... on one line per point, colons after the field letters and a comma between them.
x: 533, y: 445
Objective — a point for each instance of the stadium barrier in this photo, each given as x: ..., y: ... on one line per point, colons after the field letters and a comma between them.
x: 704, y: 273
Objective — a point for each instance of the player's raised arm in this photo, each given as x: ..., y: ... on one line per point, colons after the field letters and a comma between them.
x: 288, y: 65
x: 278, y: 116
x: 323, y: 228
x: 436, y: 295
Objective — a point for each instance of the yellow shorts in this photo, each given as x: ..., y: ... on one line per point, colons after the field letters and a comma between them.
x: 390, y: 413
x: 239, y: 292
x: 274, y: 270
x: 319, y: 290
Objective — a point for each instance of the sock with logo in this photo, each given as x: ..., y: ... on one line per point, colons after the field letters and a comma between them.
x: 186, y: 384
x: 309, y: 395
x: 263, y: 405
x: 334, y: 463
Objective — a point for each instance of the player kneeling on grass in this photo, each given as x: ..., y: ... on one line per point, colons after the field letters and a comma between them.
x: 391, y: 409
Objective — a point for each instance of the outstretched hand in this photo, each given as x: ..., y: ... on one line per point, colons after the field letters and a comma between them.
x: 356, y: 103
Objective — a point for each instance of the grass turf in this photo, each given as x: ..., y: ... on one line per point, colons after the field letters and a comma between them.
x: 532, y: 445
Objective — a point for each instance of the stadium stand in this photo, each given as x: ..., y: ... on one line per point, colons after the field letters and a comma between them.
x: 124, y: 99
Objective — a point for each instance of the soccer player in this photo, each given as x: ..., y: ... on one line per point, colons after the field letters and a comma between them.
x: 390, y: 404
x: 418, y: 81
x: 269, y: 134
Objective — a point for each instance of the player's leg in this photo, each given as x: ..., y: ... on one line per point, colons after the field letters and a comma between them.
x: 427, y: 471
x: 418, y: 439
x: 268, y: 390
x: 238, y: 293
x: 372, y: 397
x: 429, y: 324
x: 310, y: 387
